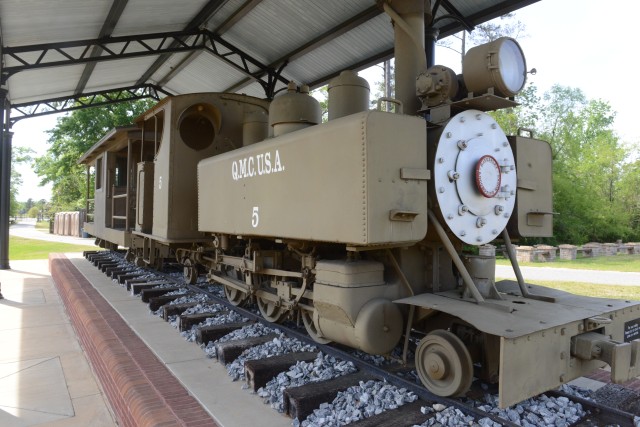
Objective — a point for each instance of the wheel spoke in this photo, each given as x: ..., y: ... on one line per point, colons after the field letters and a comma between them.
x: 271, y: 311
x: 307, y: 319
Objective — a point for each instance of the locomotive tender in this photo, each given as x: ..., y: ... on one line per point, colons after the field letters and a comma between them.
x: 357, y: 226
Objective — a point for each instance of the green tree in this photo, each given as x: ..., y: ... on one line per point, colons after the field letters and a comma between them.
x: 33, y: 212
x: 588, y: 167
x: 73, y: 135
x: 18, y: 155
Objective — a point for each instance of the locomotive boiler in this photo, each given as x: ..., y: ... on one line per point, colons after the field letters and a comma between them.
x: 360, y: 227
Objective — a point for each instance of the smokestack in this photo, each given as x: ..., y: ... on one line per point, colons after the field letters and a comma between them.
x: 410, y: 60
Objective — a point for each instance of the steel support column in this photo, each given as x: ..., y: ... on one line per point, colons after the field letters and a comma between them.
x: 5, y: 180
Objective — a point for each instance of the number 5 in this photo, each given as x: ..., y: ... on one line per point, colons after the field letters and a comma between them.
x: 255, y: 219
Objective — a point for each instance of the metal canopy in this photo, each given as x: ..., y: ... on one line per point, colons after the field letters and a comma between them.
x: 54, y: 53
x: 63, y: 55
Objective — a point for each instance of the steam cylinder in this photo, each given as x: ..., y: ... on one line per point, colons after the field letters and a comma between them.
x: 348, y: 94
x: 294, y: 111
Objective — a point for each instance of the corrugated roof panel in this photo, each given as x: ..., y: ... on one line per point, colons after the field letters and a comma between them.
x: 45, y: 21
x: 254, y: 89
x: 224, y: 13
x: 45, y: 83
x: 204, y: 74
x: 120, y: 73
x: 367, y: 40
x: 276, y: 27
x: 168, y: 66
x: 157, y: 16
x: 270, y: 31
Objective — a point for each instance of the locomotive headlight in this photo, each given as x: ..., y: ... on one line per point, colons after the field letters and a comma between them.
x: 499, y: 64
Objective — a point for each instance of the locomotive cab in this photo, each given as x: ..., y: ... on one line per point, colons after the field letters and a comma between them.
x: 111, y: 185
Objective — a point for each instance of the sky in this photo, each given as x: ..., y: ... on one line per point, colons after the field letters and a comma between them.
x: 585, y: 44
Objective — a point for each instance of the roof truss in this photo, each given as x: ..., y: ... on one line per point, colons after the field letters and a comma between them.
x: 91, y: 99
x: 199, y: 36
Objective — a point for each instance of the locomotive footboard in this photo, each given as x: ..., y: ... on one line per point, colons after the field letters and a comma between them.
x: 542, y: 345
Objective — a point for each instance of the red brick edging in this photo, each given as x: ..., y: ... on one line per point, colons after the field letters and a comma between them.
x: 140, y: 388
x: 605, y: 377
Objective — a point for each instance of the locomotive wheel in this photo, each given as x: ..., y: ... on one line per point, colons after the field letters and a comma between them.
x: 190, y: 271
x: 235, y: 296
x: 307, y: 319
x: 444, y: 364
x: 270, y: 310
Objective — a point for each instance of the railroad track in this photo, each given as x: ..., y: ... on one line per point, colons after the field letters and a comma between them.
x: 327, y: 384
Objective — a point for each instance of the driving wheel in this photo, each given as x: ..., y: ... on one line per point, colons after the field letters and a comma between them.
x: 234, y: 295
x: 270, y: 310
x: 307, y: 319
x: 190, y: 271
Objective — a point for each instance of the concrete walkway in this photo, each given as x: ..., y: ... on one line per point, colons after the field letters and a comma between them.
x: 571, y: 275
x: 45, y: 378
x: 27, y: 228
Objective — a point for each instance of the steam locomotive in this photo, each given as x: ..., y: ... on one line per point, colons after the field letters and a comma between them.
x: 358, y: 226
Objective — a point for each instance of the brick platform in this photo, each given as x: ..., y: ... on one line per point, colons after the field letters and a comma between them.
x: 141, y: 390
x: 605, y: 377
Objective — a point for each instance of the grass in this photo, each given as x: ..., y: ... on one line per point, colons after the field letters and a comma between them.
x: 593, y: 290
x: 27, y: 249
x: 43, y: 225
x: 629, y: 263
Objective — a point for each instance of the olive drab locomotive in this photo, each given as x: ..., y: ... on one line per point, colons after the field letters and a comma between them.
x: 357, y: 227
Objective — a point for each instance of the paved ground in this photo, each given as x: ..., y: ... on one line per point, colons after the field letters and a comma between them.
x: 45, y: 378
x: 27, y: 228
x: 571, y: 275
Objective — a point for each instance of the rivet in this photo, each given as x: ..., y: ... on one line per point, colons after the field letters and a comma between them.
x: 478, y: 239
x: 440, y: 160
x: 462, y: 119
x: 478, y: 116
x: 463, y: 233
x: 494, y: 232
x: 449, y: 134
x: 449, y: 216
x: 441, y: 189
x: 505, y: 143
x: 494, y: 126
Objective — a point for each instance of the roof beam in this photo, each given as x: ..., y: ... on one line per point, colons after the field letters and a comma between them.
x: 201, y: 18
x: 86, y: 100
x: 117, y: 7
x: 242, y: 11
x: 247, y: 7
x: 454, y: 14
x: 115, y: 48
x: 488, y: 14
x: 322, y: 39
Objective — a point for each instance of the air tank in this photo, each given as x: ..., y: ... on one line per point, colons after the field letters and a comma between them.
x: 348, y: 94
x: 294, y: 111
